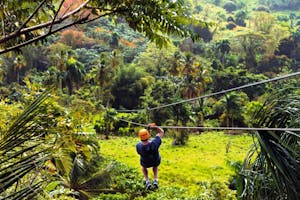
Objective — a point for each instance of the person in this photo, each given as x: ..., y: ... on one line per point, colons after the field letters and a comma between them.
x: 149, y: 153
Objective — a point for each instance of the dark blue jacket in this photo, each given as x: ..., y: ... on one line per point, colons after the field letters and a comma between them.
x: 149, y: 154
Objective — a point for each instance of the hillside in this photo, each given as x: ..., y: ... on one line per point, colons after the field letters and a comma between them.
x: 74, y: 71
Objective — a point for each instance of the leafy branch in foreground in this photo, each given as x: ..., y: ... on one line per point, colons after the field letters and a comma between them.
x: 33, y: 21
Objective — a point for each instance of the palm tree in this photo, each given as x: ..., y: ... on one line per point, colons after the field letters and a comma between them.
x: 232, y: 104
x: 74, y: 74
x: 189, y: 72
x: 102, y: 73
x: 18, y: 64
x: 272, y: 167
x: 194, y: 80
x: 223, y: 48
x: 176, y: 64
x: 202, y: 80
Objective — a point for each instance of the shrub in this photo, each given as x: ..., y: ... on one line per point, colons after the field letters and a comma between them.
x: 217, y: 2
x: 273, y: 64
x: 125, y: 182
x: 230, y: 6
x: 240, y: 17
x: 283, y: 18
x: 262, y: 9
x: 204, y: 32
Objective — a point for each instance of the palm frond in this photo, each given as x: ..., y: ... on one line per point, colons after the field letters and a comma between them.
x: 277, y: 162
x: 25, y: 193
x: 21, y: 154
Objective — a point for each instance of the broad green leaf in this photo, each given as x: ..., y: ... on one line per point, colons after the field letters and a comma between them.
x: 51, y: 186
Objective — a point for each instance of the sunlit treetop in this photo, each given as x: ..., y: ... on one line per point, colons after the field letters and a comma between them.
x: 25, y: 21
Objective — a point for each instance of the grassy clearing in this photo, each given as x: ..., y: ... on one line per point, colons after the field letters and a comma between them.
x: 203, y: 159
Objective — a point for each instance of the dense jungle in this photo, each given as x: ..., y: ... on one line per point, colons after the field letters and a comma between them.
x: 80, y: 78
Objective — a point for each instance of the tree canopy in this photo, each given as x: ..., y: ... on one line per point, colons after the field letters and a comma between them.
x: 28, y: 22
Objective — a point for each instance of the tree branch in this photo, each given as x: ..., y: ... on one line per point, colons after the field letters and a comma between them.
x: 60, y: 5
x: 3, y: 31
x: 42, y: 36
x: 105, y: 14
x: 30, y: 17
x: 40, y: 26
x: 80, y: 20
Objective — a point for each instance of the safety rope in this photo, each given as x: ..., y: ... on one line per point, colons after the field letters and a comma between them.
x: 216, y: 93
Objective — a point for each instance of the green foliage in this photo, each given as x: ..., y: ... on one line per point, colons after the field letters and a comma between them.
x: 148, y: 18
x: 240, y: 17
x: 262, y: 8
x: 231, y: 77
x: 158, y: 93
x: 281, y: 4
x: 154, y: 60
x: 83, y: 177
x: 130, y: 83
x: 124, y: 182
x: 7, y: 113
x: 249, y: 44
x: 23, y: 151
x: 230, y: 6
x: 180, y: 137
x: 232, y: 106
x: 105, y: 123
x: 230, y: 25
x: 274, y: 161
x: 249, y: 110
x: 91, y: 76
x: 103, y: 71
x: 262, y: 22
x: 273, y: 64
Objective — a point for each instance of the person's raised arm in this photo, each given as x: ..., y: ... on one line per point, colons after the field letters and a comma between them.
x: 160, y: 131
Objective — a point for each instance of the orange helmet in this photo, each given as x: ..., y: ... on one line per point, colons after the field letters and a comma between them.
x: 144, y: 134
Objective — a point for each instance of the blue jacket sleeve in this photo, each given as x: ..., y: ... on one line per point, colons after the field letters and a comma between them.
x: 156, y: 141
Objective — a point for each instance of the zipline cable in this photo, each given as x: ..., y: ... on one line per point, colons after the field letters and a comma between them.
x: 228, y: 90
x: 214, y: 128
x: 216, y: 93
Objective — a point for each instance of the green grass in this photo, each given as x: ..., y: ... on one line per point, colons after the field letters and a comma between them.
x: 203, y: 159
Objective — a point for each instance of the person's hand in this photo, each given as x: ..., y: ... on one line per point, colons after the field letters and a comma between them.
x: 152, y: 125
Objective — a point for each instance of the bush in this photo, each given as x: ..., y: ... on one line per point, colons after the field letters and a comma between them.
x: 240, y: 17
x: 273, y: 64
x: 230, y: 6
x: 262, y: 9
x: 283, y: 18
x: 125, y: 182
